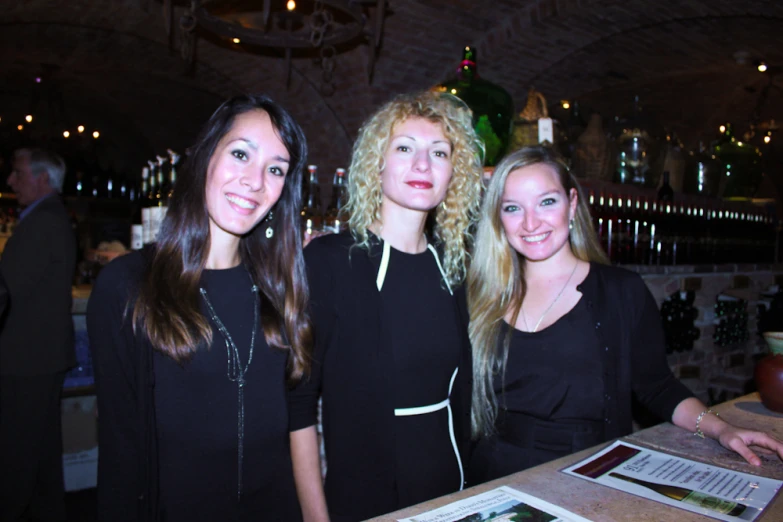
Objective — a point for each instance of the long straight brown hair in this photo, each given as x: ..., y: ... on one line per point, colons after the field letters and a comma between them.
x: 167, y: 310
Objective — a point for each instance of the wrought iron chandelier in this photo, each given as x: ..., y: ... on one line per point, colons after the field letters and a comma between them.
x: 319, y: 28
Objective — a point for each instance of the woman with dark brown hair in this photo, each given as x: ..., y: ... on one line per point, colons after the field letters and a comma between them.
x: 195, y: 339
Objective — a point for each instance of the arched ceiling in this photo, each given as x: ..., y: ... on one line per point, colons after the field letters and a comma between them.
x: 113, y: 67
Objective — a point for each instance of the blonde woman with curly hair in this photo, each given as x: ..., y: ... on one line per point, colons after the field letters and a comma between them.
x: 392, y: 356
x: 561, y: 340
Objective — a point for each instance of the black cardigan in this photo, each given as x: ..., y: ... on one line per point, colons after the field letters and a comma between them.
x: 628, y: 325
x: 128, y: 362
x: 352, y: 370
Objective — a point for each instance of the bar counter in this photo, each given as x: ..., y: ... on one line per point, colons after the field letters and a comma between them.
x: 601, y: 503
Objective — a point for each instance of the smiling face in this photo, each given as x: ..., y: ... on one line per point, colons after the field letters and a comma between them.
x: 417, y: 166
x: 535, y: 211
x: 245, y: 177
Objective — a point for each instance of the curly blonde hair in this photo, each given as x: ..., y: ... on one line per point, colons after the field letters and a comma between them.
x: 458, y: 211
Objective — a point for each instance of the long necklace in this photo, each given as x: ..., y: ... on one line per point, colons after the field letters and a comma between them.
x: 236, y: 373
x: 551, y: 305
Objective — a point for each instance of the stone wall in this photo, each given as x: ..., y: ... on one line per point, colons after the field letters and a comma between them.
x: 716, y: 373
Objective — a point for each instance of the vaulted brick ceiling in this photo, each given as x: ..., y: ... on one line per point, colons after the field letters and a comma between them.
x: 112, y: 65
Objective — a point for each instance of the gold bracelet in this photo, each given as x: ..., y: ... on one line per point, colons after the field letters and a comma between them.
x: 700, y: 433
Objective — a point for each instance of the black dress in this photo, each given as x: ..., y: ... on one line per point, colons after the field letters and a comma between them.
x: 196, y: 407
x: 379, y: 349
x: 420, y: 316
x: 551, y: 403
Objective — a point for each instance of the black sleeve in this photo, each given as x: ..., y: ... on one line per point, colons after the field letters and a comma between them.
x: 114, y: 356
x: 3, y: 295
x: 653, y: 382
x: 463, y: 387
x: 38, y: 254
x: 303, y: 399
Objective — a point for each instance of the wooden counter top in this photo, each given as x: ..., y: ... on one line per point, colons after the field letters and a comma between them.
x: 601, y: 503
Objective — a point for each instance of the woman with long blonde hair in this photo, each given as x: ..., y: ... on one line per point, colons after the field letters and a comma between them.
x: 392, y: 358
x: 561, y: 340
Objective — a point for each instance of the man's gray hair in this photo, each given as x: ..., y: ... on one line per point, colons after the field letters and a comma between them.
x: 43, y: 160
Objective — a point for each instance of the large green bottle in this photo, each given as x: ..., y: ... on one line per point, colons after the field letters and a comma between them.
x: 492, y: 106
x: 742, y: 169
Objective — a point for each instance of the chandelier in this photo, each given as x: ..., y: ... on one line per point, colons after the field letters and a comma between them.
x: 317, y: 28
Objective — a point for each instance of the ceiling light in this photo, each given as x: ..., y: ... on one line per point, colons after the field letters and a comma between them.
x: 325, y: 29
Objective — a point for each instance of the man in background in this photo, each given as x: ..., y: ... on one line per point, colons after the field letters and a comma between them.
x: 36, y: 341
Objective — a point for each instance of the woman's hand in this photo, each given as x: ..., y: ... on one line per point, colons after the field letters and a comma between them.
x: 739, y: 440
x: 731, y: 437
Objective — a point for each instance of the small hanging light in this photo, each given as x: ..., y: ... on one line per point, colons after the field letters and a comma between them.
x: 28, y: 118
x: 66, y: 134
x: 762, y: 67
x: 80, y: 128
x: 96, y: 134
x: 20, y: 127
x: 565, y: 104
x: 722, y: 129
x: 236, y: 40
x: 290, y: 5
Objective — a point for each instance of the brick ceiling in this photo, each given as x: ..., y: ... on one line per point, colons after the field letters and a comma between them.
x: 110, y: 64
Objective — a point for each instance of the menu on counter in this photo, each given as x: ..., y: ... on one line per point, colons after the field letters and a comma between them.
x: 501, y: 504
x: 712, y: 491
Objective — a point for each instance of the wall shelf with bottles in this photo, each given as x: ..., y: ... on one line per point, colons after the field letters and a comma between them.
x: 641, y: 226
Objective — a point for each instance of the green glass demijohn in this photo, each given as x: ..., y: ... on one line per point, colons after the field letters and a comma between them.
x: 492, y: 106
x: 742, y: 170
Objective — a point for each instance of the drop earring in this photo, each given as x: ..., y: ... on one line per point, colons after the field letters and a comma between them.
x: 571, y: 224
x: 268, y: 219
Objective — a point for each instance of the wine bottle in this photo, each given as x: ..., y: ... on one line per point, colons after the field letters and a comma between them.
x: 173, y: 161
x: 694, y: 498
x: 144, y: 204
x: 137, y: 223
x: 151, y: 203
x: 160, y: 199
x: 334, y: 220
x: 666, y: 192
x: 311, y: 214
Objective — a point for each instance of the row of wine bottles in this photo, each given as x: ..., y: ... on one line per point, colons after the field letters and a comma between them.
x: 158, y: 182
x: 314, y: 219
x: 157, y: 186
x: 648, y: 230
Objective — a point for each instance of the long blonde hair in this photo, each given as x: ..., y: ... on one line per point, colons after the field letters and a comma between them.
x: 458, y: 211
x: 496, y: 283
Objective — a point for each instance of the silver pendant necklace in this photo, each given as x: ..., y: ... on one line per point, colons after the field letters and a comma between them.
x: 236, y: 373
x: 535, y: 329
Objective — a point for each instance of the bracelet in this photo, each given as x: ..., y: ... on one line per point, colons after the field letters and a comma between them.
x: 700, y: 433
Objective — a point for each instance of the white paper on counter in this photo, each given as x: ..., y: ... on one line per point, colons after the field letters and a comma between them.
x: 715, y: 490
x: 501, y: 501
